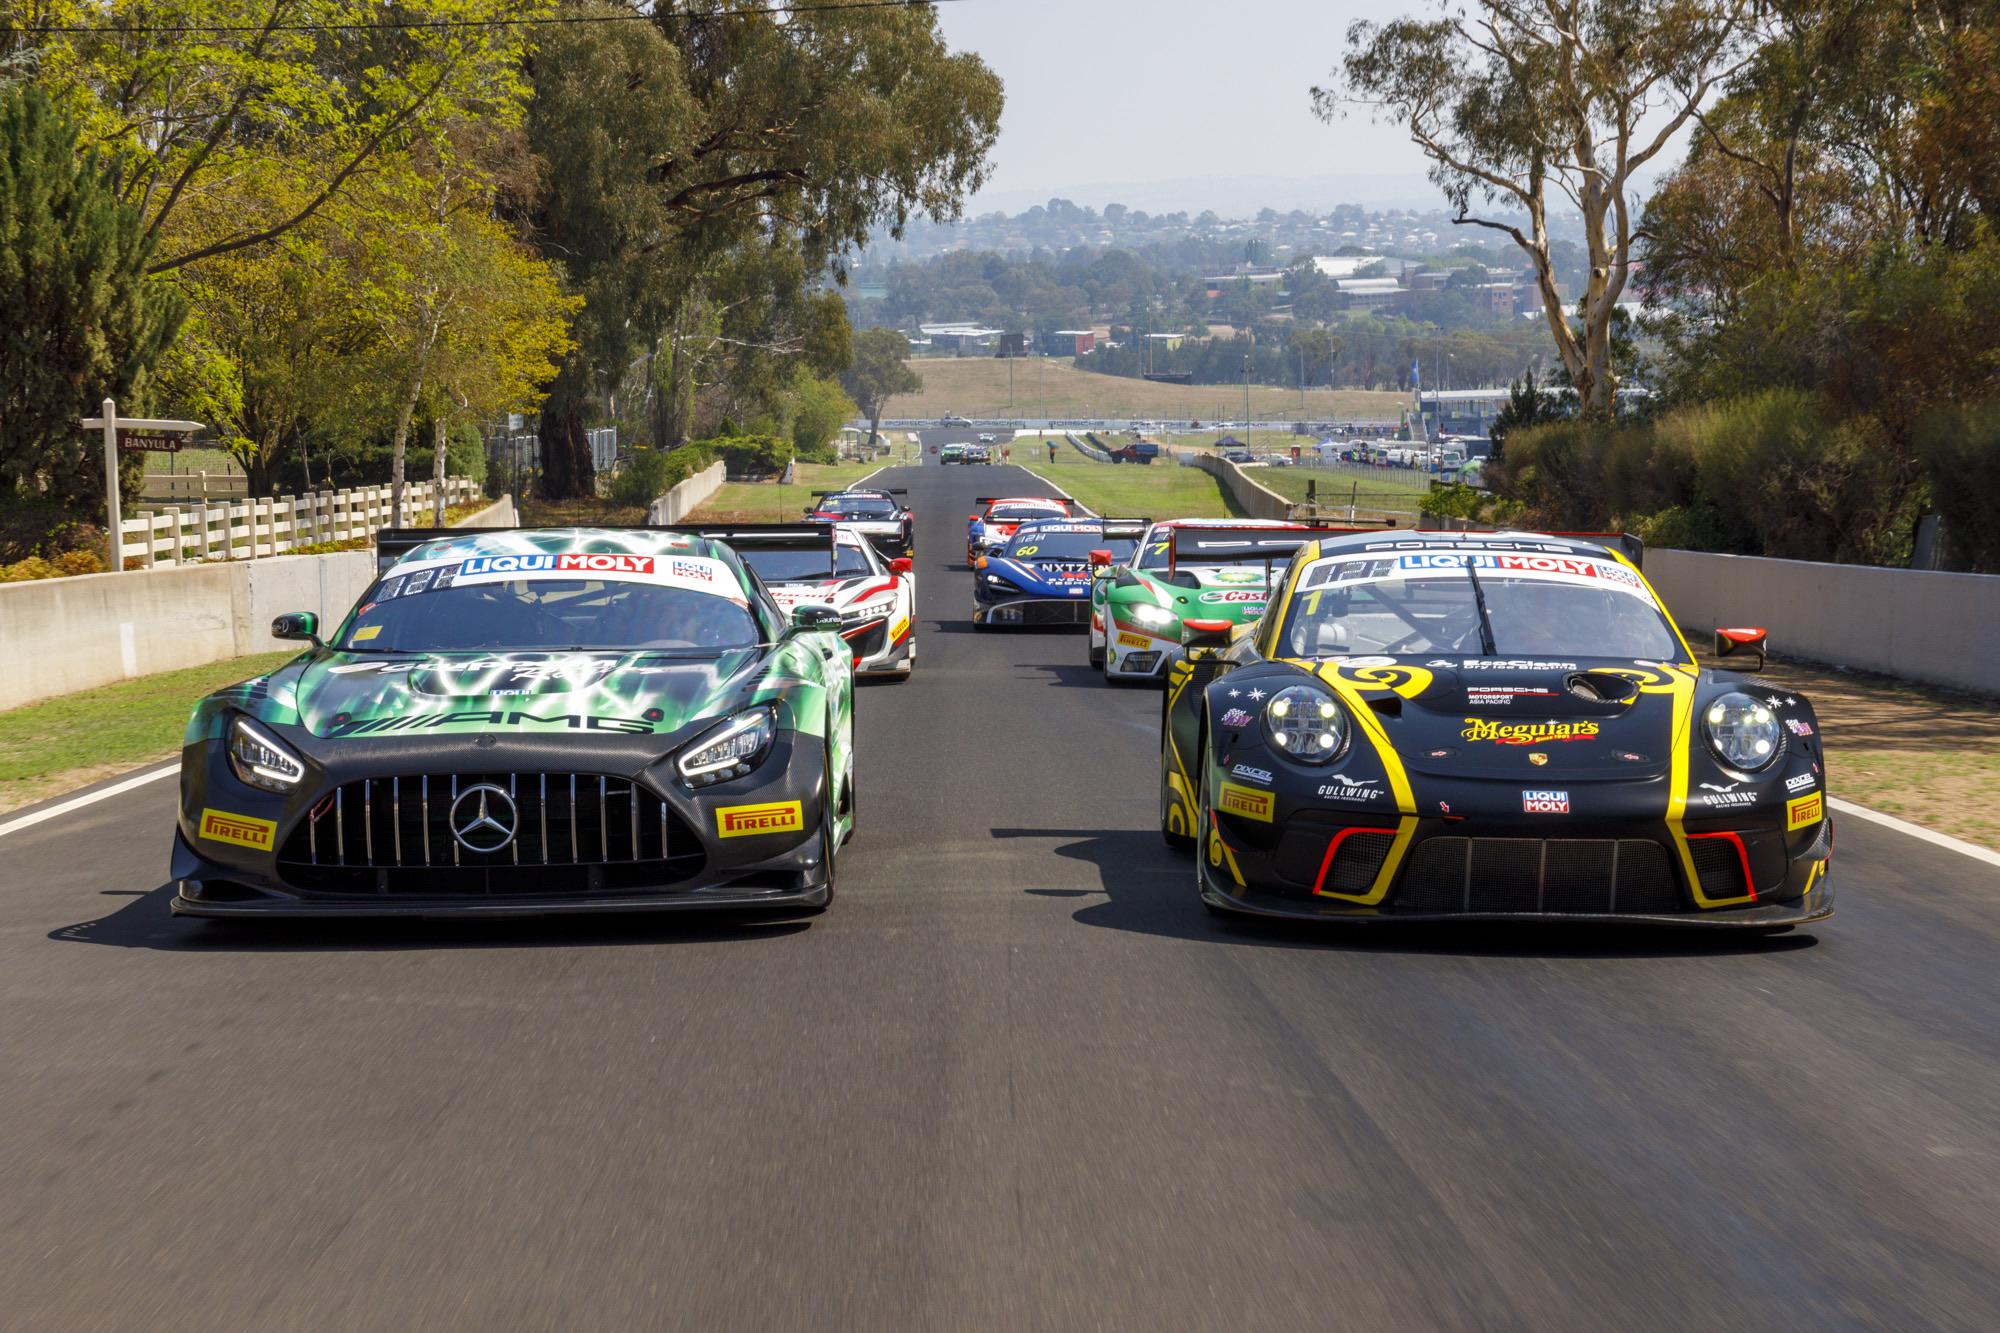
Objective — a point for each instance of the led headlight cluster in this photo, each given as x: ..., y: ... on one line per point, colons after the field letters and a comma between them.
x: 259, y: 760
x: 1148, y: 614
x: 730, y: 750
x: 1305, y: 723
x: 1743, y: 731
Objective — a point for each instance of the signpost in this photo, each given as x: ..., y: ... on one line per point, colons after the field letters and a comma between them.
x: 142, y: 435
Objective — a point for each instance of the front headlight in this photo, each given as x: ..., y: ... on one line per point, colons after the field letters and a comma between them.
x: 1742, y: 731
x: 881, y: 606
x: 1304, y: 723
x: 1148, y: 614
x: 730, y: 750
x: 259, y: 760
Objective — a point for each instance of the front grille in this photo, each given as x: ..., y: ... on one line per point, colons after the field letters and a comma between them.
x: 1554, y: 875
x: 575, y: 833
x: 1302, y: 848
x: 1718, y: 866
x: 869, y: 641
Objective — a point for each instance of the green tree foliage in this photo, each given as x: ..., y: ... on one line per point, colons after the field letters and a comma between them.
x: 83, y: 320
x: 879, y: 373
x: 670, y: 146
x: 1960, y: 448
x: 819, y: 408
x: 1512, y: 101
x: 1527, y: 405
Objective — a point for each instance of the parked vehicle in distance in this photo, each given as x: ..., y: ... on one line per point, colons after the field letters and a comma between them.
x: 949, y: 420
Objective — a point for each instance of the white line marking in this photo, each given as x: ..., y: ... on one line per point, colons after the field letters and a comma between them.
x: 1905, y: 826
x: 115, y: 789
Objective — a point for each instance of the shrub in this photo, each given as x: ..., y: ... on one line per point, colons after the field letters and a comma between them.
x: 642, y: 480
x: 1960, y: 449
x: 752, y: 456
x: 21, y: 571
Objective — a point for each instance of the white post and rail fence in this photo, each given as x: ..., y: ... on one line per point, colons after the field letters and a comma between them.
x: 249, y: 529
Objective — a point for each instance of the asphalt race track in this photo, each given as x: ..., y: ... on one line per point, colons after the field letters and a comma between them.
x: 1015, y: 1078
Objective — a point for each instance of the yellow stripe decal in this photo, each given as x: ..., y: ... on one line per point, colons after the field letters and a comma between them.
x: 1681, y: 682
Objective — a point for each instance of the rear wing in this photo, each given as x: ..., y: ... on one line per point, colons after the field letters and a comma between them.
x: 862, y: 490
x: 392, y: 544
x: 1134, y: 528
x: 762, y: 536
x: 1047, y: 499
x: 1234, y: 546
x: 1627, y: 545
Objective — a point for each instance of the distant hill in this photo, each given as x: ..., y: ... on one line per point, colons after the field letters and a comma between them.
x: 977, y: 387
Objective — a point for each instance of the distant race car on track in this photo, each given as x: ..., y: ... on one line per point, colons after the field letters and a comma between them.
x: 953, y: 453
x: 993, y: 526
x: 1043, y: 575
x: 805, y: 564
x: 1461, y: 724
x: 877, y: 514
x: 526, y: 721
x: 1205, y: 568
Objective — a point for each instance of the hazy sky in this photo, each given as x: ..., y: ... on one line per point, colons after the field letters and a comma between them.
x: 1105, y: 92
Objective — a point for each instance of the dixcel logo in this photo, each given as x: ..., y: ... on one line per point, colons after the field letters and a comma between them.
x: 1243, y: 801
x: 1528, y: 733
x: 1801, y: 782
x: 1249, y: 774
x: 741, y: 821
x: 243, y: 830
x: 1544, y: 802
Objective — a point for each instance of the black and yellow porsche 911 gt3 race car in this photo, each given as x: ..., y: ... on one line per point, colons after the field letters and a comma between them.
x: 1487, y: 725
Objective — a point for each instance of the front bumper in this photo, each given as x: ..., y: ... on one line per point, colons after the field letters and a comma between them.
x: 1031, y: 610
x: 1322, y: 867
x: 597, y: 829
x: 1131, y: 654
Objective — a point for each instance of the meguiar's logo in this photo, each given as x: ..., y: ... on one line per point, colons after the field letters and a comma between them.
x: 1528, y: 733
x: 243, y: 830
x: 741, y: 821
x: 1245, y: 801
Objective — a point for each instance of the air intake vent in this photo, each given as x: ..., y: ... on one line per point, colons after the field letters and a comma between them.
x: 1601, y: 687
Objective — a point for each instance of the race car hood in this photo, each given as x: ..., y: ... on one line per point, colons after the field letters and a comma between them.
x: 350, y: 694
x: 842, y: 594
x: 1516, y: 719
x: 1226, y: 592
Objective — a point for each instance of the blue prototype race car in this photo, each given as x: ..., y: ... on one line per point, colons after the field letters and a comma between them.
x: 1042, y: 575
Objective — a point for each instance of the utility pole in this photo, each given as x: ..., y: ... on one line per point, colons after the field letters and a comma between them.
x: 1246, y: 391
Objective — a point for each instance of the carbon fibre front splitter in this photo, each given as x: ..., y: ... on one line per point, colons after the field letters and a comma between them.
x: 1815, y: 905
x: 685, y: 900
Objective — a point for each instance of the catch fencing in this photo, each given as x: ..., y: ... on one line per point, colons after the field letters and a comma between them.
x: 253, y: 528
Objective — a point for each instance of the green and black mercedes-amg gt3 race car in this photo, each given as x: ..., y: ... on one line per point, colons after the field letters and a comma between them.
x: 1499, y: 725
x: 528, y: 721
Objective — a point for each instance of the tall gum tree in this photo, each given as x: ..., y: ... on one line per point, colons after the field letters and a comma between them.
x: 1519, y: 104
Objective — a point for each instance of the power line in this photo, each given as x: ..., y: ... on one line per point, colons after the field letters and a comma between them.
x: 445, y: 25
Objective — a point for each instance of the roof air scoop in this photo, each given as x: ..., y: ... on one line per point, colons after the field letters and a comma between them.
x: 1602, y: 687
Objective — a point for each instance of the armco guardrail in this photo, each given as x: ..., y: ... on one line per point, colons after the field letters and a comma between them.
x: 252, y: 529
x: 61, y: 635
x: 1252, y: 499
x: 1915, y: 624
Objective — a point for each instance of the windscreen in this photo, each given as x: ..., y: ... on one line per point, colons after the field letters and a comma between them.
x: 1423, y: 602
x: 857, y: 506
x: 1066, y: 544
x: 476, y: 614
x: 779, y: 565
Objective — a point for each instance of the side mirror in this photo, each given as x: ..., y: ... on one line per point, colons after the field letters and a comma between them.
x: 1203, y: 637
x: 1100, y: 558
x: 1729, y: 642
x: 810, y: 511
x: 972, y: 518
x: 902, y: 564
x: 815, y: 616
x: 299, y: 626
x: 980, y: 563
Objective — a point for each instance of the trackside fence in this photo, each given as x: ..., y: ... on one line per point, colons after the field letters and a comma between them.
x: 249, y: 529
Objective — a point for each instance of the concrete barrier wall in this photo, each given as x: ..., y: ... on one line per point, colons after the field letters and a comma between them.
x: 1921, y: 625
x: 1254, y: 500
x: 61, y: 635
x: 687, y: 496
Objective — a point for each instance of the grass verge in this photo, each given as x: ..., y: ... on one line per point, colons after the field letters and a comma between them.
x: 61, y: 744
x: 768, y: 502
x: 977, y: 386
x: 1160, y: 490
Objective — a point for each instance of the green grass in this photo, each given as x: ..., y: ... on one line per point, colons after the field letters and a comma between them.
x: 1379, y: 488
x: 1161, y: 490
x: 60, y: 744
x: 768, y: 502
x: 195, y: 460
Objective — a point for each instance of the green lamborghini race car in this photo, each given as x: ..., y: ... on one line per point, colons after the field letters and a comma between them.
x: 527, y: 721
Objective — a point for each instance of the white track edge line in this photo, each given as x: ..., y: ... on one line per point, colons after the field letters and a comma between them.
x: 77, y: 803
x: 1916, y: 831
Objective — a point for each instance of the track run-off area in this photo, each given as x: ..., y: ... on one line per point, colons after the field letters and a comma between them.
x: 1016, y: 1077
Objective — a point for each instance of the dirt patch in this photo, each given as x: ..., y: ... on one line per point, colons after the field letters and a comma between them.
x: 1929, y: 756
